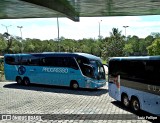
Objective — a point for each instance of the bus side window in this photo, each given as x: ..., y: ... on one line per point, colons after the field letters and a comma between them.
x: 72, y: 63
x: 10, y: 60
x: 34, y: 61
x: 50, y: 61
x: 60, y: 62
x: 153, y: 72
x: 115, y: 68
x: 24, y: 60
x: 42, y: 62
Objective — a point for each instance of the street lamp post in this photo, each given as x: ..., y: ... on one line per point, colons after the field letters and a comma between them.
x: 8, y: 36
x: 125, y: 29
x: 58, y: 33
x: 6, y: 27
x: 20, y: 27
x: 99, y: 28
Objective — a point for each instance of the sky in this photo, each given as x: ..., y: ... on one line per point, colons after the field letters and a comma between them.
x: 88, y: 27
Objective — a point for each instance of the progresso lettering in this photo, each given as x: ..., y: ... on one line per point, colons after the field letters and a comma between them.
x: 55, y: 70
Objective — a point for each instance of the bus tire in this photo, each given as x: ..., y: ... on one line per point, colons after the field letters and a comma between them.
x: 19, y: 80
x: 135, y: 105
x: 26, y: 81
x: 125, y: 100
x: 74, y: 85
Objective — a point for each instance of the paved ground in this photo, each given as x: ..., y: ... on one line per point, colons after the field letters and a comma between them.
x: 39, y: 103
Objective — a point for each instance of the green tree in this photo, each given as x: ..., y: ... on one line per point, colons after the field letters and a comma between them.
x: 114, y: 44
x: 137, y: 46
x: 154, y: 49
x: 3, y: 46
x: 144, y: 43
x: 16, y: 46
x: 8, y: 38
x: 155, y: 34
x: 29, y: 46
x: 128, y: 49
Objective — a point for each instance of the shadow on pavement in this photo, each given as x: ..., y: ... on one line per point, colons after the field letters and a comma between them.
x: 58, y: 89
x: 142, y: 114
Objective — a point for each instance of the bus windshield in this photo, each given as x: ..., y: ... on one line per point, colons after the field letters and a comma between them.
x: 91, y: 68
x: 98, y: 69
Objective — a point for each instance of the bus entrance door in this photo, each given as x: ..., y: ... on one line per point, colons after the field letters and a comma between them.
x: 114, y: 87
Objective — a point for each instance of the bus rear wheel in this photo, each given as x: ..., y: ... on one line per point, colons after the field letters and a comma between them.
x: 125, y: 100
x: 135, y: 105
x: 74, y: 85
x: 19, y: 80
x: 26, y: 81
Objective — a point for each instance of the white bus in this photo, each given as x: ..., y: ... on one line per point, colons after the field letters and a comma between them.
x: 135, y: 81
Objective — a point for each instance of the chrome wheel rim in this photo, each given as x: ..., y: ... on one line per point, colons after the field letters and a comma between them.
x: 19, y: 81
x: 26, y: 82
x: 135, y: 105
x: 75, y: 85
x: 126, y: 101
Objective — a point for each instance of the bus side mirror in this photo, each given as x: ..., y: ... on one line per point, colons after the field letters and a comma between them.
x: 105, y: 65
x: 105, y: 68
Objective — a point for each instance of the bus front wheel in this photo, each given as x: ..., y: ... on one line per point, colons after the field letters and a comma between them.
x: 125, y: 100
x: 135, y: 105
x: 74, y: 85
x: 26, y: 81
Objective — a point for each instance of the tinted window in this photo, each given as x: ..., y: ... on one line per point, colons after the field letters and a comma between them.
x: 33, y: 61
x: 70, y: 62
x: 52, y: 61
x: 152, y: 72
x: 114, y: 68
x: 82, y: 60
x: 135, y: 69
x: 145, y: 71
x: 98, y: 69
x: 24, y: 60
x: 12, y: 60
x: 59, y: 62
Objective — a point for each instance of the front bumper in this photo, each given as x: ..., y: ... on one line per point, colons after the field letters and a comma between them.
x: 95, y: 84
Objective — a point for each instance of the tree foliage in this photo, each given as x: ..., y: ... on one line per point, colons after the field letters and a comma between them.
x: 154, y: 49
x: 112, y: 46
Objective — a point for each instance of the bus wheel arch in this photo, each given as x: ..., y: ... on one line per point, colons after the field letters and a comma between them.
x: 19, y: 80
x: 26, y: 81
x: 74, y: 84
x: 125, y: 100
x: 135, y: 104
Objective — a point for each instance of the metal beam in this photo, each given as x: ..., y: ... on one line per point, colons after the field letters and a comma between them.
x: 62, y: 6
x: 73, y: 9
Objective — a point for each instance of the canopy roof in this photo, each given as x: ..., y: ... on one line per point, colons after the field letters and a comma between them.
x: 73, y: 9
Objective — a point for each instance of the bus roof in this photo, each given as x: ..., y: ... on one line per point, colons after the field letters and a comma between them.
x: 58, y: 54
x: 136, y: 58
